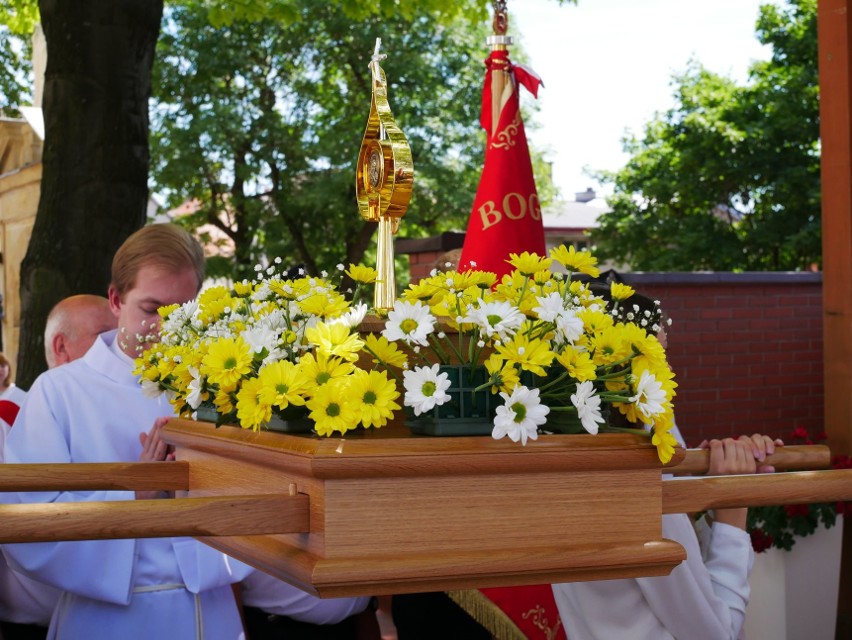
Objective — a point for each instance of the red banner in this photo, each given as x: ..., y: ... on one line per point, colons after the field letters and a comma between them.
x: 506, y: 215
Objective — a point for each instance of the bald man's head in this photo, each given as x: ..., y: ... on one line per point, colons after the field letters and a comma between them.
x: 72, y: 326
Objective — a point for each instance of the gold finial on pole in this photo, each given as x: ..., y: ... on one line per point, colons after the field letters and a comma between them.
x: 500, y: 80
x: 384, y: 179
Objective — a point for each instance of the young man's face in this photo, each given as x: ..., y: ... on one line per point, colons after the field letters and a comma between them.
x: 136, y: 312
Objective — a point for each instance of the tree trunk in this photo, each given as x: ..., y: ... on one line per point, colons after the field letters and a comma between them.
x: 94, y: 189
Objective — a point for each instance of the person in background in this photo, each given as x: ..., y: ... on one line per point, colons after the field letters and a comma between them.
x: 71, y: 328
x: 93, y: 410
x: 11, y: 396
x: 704, y: 597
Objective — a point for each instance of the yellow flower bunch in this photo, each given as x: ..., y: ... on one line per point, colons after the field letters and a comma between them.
x: 564, y: 355
x: 274, y: 347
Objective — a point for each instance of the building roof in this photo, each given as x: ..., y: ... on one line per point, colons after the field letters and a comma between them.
x: 571, y: 214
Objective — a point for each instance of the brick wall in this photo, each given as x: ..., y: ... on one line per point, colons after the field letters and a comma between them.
x: 746, y: 348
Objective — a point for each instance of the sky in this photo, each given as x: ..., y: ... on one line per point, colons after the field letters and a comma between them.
x: 607, y: 67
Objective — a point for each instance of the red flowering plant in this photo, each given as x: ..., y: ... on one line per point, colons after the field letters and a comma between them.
x: 778, y: 526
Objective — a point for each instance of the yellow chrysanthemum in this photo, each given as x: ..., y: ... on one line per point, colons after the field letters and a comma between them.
x: 578, y: 364
x: 502, y: 375
x: 620, y: 291
x: 528, y: 264
x: 529, y: 355
x: 335, y: 340
x: 251, y: 410
x: 227, y: 360
x: 324, y: 304
x: 211, y: 294
x: 282, y: 384
x: 224, y: 400
x: 373, y: 396
x: 331, y: 409
x: 651, y: 353
x: 609, y: 345
x: 164, y: 311
x: 384, y: 352
x: 243, y: 288
x: 594, y: 321
x: 361, y: 273
x: 574, y: 260
x: 320, y: 369
x: 665, y: 443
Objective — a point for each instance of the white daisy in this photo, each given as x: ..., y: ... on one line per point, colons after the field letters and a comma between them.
x: 497, y: 317
x: 588, y: 406
x: 425, y: 388
x: 194, y: 397
x: 569, y: 327
x: 650, y: 395
x: 520, y: 416
x: 150, y: 388
x: 409, y: 322
x: 549, y: 307
x: 261, y: 336
x: 353, y: 317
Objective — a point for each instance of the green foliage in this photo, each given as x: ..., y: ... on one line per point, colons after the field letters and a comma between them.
x: 15, y: 67
x: 19, y: 15
x: 224, y: 13
x: 727, y: 179
x: 261, y: 123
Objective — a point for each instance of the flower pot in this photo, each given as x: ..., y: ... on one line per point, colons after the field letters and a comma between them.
x: 291, y: 420
x: 467, y: 413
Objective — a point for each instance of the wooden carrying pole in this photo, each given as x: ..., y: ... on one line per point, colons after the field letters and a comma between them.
x: 688, y: 495
x: 792, y: 458
x: 95, y: 476
x: 226, y: 516
x: 280, y: 513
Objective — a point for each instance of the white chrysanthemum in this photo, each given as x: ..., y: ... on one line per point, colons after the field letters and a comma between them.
x: 520, y: 416
x: 261, y: 336
x: 351, y: 318
x: 425, y: 388
x: 549, y: 307
x: 569, y: 327
x: 496, y: 317
x: 194, y: 397
x: 262, y: 292
x: 650, y: 395
x: 150, y: 388
x: 588, y: 405
x: 409, y: 322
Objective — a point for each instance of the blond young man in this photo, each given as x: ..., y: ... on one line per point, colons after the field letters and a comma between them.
x: 93, y: 410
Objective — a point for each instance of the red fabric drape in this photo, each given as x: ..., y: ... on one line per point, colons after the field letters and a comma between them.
x: 506, y: 215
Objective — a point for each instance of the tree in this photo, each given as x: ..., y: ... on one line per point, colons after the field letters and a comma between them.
x: 95, y: 166
x: 728, y: 179
x: 260, y: 123
x: 95, y: 162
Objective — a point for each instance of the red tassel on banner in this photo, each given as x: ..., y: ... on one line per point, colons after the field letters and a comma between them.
x: 506, y: 215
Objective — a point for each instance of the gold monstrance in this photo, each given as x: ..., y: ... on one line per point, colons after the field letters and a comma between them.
x: 384, y: 180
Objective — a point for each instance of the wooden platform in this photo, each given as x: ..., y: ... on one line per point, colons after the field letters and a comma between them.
x: 395, y: 513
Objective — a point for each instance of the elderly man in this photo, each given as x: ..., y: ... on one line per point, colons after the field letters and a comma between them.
x: 72, y: 326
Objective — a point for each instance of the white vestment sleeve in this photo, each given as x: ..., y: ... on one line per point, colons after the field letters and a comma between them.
x: 703, y: 600
x: 100, y: 569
